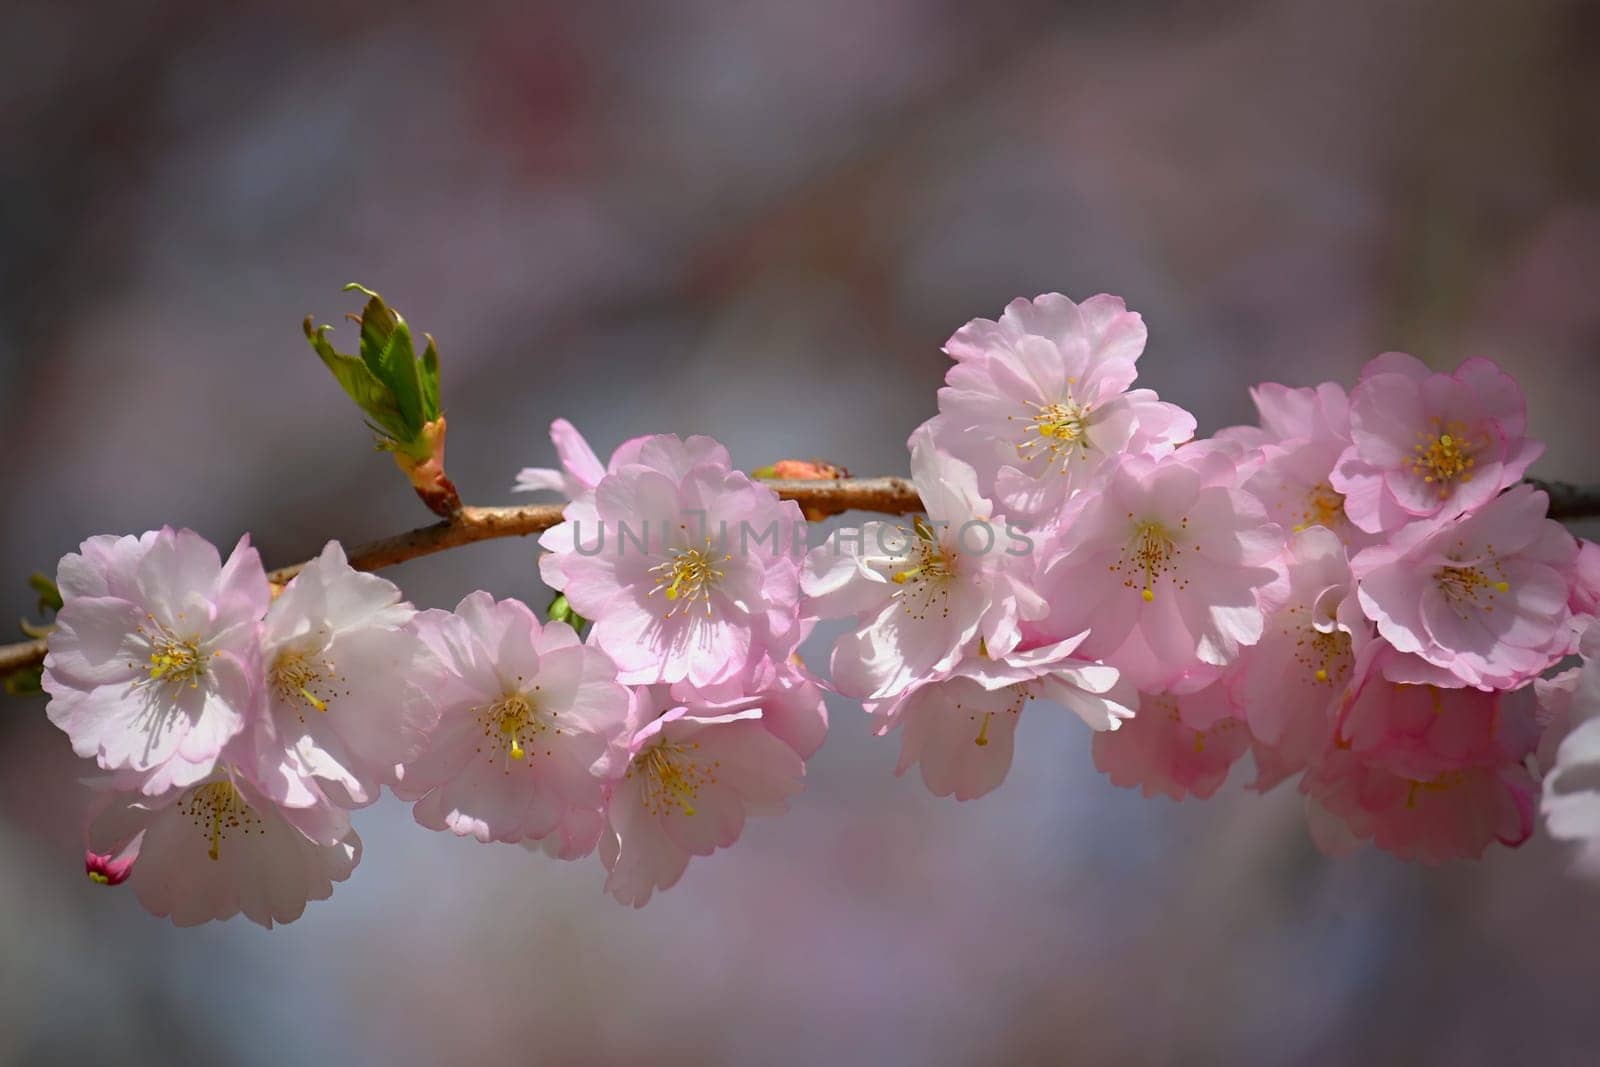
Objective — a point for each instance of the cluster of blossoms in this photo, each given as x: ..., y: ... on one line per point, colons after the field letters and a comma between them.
x: 1358, y: 592
x: 235, y: 730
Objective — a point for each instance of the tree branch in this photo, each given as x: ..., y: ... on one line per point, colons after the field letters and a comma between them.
x: 889, y: 496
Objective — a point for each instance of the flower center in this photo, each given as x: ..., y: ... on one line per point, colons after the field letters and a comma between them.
x: 512, y: 724
x: 1442, y: 783
x: 174, y: 660
x: 689, y: 576
x: 1325, y: 654
x: 672, y: 778
x: 218, y: 809
x: 1469, y: 587
x: 1444, y: 455
x: 1018, y: 697
x: 295, y: 679
x: 927, y: 574
x: 1151, y: 552
x: 1055, y: 433
x: 1324, y: 507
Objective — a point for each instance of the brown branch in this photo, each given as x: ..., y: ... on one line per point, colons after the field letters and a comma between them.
x: 892, y: 496
x: 889, y: 496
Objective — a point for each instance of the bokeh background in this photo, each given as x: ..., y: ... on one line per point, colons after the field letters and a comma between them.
x: 760, y: 220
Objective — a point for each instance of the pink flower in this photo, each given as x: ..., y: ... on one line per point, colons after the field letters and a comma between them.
x: 791, y: 702
x: 525, y: 711
x: 959, y: 725
x: 1483, y: 596
x: 1288, y: 684
x: 702, y: 573
x: 1423, y: 731
x: 1584, y: 603
x: 926, y: 594
x: 1301, y: 413
x: 581, y: 470
x: 1304, y: 432
x: 1452, y: 815
x: 1176, y: 746
x: 1162, y: 565
x: 1425, y: 444
x: 217, y: 848
x: 105, y: 868
x: 1038, y: 402
x: 685, y: 778
x: 338, y: 649
x: 155, y: 661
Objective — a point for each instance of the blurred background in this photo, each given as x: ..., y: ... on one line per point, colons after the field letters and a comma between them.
x: 761, y: 220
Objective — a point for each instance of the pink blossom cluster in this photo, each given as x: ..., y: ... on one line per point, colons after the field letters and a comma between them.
x: 1360, y: 592
x: 1357, y: 591
x: 235, y: 730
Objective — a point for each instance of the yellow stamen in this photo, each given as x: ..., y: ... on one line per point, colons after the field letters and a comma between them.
x: 690, y: 575
x: 1149, y: 555
x: 294, y: 678
x: 983, y: 730
x: 176, y: 660
x: 1445, y: 456
x: 511, y: 721
x: 1058, y: 432
x: 672, y: 777
x: 218, y: 808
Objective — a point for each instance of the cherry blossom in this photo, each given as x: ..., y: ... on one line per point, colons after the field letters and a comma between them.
x: 155, y: 661
x: 1426, y: 444
x: 218, y: 848
x: 1455, y: 814
x: 1482, y: 596
x: 791, y: 703
x: 1038, y: 402
x: 1302, y: 435
x: 524, y: 713
x: 1422, y: 731
x: 701, y: 575
x: 1288, y: 684
x: 1176, y: 746
x: 1163, y: 566
x: 581, y: 470
x: 959, y: 725
x: 925, y: 593
x: 684, y: 779
x: 338, y: 649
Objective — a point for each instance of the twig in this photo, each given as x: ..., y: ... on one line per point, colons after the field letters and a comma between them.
x: 889, y: 496
x: 892, y: 496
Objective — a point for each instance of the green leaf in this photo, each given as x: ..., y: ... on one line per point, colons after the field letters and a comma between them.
x: 430, y: 381
x: 358, y: 382
x: 49, y: 595
x: 387, y: 351
x: 398, y: 391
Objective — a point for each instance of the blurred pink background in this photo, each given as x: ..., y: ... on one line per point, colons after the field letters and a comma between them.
x: 761, y: 220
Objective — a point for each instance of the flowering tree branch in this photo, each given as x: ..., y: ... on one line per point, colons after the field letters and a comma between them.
x: 888, y: 496
x: 468, y: 525
x: 1193, y: 600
